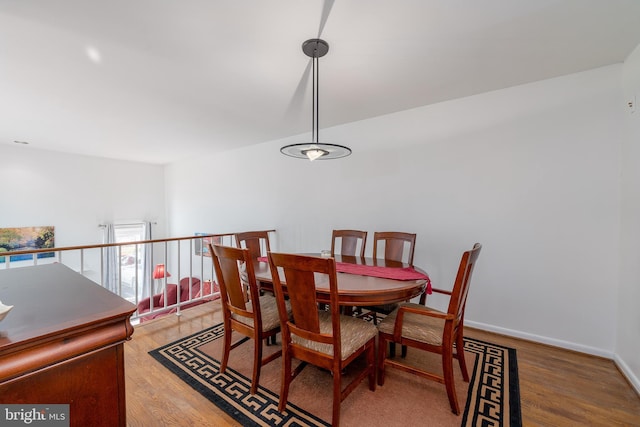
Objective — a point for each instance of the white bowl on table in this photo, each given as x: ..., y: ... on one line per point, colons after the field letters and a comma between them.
x: 4, y: 310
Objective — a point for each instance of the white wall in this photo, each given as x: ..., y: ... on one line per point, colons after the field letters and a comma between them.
x: 531, y: 172
x: 76, y: 193
x: 628, y: 331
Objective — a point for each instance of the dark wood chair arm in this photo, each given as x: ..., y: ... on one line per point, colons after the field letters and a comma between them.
x: 423, y: 297
x: 240, y: 312
x: 423, y: 312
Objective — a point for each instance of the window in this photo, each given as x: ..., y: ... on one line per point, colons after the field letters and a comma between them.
x: 131, y: 257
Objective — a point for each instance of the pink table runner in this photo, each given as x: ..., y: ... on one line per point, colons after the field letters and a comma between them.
x: 407, y: 273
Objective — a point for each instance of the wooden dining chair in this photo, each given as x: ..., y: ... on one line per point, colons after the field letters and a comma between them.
x: 241, y: 313
x: 427, y: 329
x: 394, y: 245
x: 349, y: 240
x: 255, y: 241
x: 394, y: 250
x: 325, y: 339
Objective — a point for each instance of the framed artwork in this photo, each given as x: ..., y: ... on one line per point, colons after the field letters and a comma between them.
x: 202, y: 245
x: 24, y: 239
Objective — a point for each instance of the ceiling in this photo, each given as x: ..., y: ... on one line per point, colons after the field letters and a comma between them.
x: 161, y: 80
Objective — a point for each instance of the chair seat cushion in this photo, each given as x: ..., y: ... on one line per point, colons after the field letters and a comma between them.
x: 268, y: 311
x: 420, y: 328
x: 354, y: 333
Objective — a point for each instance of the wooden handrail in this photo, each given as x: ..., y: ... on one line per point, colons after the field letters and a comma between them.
x: 108, y: 245
x: 150, y: 307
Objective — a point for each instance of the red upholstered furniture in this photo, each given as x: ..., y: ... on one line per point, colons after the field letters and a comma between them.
x: 172, y: 297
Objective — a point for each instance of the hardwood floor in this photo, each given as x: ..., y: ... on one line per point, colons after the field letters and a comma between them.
x: 564, y: 388
x: 558, y: 387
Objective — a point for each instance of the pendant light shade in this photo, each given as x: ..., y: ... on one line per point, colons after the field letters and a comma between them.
x: 315, y: 150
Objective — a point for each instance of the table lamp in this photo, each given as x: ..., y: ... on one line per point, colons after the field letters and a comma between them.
x: 159, y: 272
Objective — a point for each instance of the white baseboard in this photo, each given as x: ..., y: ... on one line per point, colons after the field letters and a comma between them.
x: 622, y: 366
x: 541, y: 339
x: 626, y: 371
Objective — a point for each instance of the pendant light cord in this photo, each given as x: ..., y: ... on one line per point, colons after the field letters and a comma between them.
x: 315, y: 137
x: 314, y: 49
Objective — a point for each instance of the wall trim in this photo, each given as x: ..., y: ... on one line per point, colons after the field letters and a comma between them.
x: 620, y: 364
x: 628, y: 373
x: 543, y: 340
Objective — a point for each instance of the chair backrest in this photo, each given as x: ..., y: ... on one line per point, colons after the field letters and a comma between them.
x: 394, y: 243
x: 233, y: 292
x: 349, y: 240
x: 460, y: 290
x: 254, y: 241
x: 300, y: 282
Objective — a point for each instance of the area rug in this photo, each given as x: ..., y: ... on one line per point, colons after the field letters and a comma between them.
x: 491, y: 398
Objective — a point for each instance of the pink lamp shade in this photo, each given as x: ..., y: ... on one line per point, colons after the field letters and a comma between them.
x: 159, y: 272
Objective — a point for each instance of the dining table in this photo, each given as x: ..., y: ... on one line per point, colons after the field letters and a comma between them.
x: 362, y: 281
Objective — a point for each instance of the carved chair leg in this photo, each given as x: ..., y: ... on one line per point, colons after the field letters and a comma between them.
x: 226, y: 348
x: 257, y: 364
x: 447, y: 368
x: 284, y: 382
x: 371, y: 363
x: 337, y: 393
x: 382, y: 354
x: 461, y: 359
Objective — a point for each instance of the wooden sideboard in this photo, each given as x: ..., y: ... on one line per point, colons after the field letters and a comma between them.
x: 63, y: 344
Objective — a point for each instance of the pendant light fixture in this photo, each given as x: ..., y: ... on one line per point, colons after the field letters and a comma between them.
x: 315, y: 48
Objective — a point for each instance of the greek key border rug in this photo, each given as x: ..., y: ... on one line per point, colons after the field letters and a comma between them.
x: 493, y: 397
